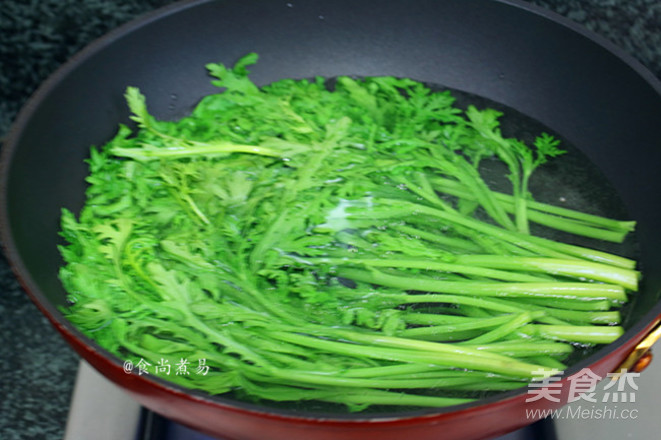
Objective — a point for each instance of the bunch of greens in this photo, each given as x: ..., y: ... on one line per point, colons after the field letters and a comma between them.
x: 335, y: 242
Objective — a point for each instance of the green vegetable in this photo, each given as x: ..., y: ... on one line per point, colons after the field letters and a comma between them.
x: 334, y: 241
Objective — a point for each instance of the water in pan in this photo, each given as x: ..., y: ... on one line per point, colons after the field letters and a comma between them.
x: 569, y: 180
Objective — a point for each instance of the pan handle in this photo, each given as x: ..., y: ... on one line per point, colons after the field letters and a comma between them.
x: 641, y: 356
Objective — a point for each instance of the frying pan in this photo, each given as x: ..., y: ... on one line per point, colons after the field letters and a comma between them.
x: 577, y: 85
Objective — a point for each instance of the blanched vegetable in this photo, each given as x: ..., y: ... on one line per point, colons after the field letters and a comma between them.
x: 337, y: 244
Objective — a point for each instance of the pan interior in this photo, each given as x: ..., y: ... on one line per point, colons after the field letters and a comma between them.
x: 570, y: 180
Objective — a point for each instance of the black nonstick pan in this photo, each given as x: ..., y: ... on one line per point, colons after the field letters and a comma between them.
x: 506, y: 52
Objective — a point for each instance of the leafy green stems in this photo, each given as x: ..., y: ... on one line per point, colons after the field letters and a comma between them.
x: 336, y: 245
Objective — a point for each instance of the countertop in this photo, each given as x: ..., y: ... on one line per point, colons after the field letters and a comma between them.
x: 37, y: 368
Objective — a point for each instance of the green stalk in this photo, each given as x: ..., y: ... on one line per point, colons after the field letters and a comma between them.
x: 473, y: 324
x: 455, y: 165
x: 579, y: 317
x: 378, y: 397
x: 471, y: 311
x: 412, y: 351
x: 584, y: 291
x: 464, y: 269
x: 576, y: 227
x: 564, y: 317
x: 492, y: 304
x: 439, y: 317
x: 593, y: 334
x: 523, y: 349
x: 570, y: 304
x: 424, y: 346
x: 513, y: 324
x: 547, y: 361
x: 454, y: 322
x: 427, y: 194
x: 521, y: 203
x: 493, y: 385
x: 471, y: 177
x: 304, y: 378
x: 447, y: 337
x: 536, y: 244
x: 451, y: 242
x: 450, y: 372
x: 346, y: 396
x: 564, y: 219
x: 224, y: 340
x: 626, y: 278
x: 245, y: 287
x: 398, y: 370
x: 151, y: 152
